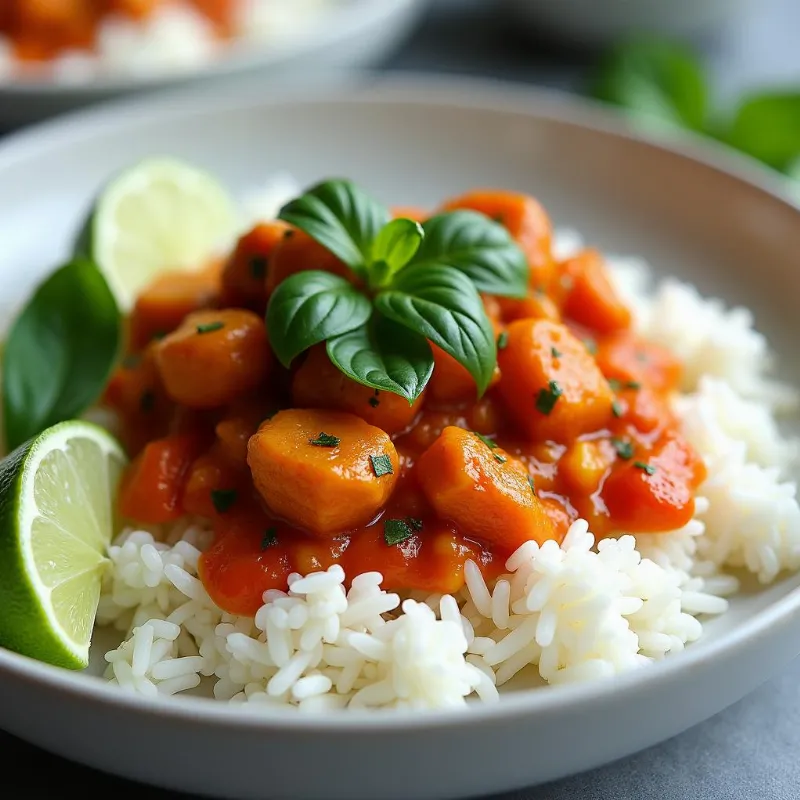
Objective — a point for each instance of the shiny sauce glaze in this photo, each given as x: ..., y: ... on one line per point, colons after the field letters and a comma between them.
x: 576, y: 423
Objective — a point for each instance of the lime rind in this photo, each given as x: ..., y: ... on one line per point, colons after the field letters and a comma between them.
x: 51, y: 562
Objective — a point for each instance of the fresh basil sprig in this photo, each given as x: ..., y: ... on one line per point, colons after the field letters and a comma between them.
x: 412, y: 284
x: 59, y: 352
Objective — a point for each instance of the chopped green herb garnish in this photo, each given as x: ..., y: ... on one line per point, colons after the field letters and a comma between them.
x: 288, y: 234
x: 555, y: 353
x: 381, y: 465
x: 223, y: 499
x: 210, y: 327
x: 531, y: 484
x: 490, y: 443
x: 624, y: 449
x: 325, y: 440
x: 547, y: 398
x: 258, y: 267
x: 416, y: 524
x: 270, y: 538
x: 648, y: 468
x: 502, y: 340
x: 147, y: 401
x: 500, y: 459
x: 591, y: 345
x: 616, y: 408
x: 616, y: 385
x: 398, y: 530
x: 131, y: 361
x: 374, y: 402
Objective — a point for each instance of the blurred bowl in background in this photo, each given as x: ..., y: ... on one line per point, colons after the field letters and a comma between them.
x: 601, y: 22
x: 351, y: 34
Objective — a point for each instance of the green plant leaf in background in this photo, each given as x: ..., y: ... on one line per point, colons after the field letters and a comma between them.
x: 60, y: 351
x: 384, y: 355
x: 659, y: 79
x: 767, y: 127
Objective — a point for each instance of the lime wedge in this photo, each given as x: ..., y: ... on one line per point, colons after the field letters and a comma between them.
x: 158, y: 214
x: 57, y: 501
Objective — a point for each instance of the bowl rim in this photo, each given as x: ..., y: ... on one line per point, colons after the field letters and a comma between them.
x: 483, y: 96
x: 353, y: 19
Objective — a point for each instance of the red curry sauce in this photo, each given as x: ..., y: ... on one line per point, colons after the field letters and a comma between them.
x: 575, y: 424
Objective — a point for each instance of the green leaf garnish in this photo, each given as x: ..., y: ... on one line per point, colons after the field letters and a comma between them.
x: 270, y: 538
x: 616, y: 408
x: 648, y: 468
x: 381, y: 465
x: 396, y: 531
x: 623, y: 448
x: 547, y: 398
x: 532, y: 484
x: 325, y: 440
x: 500, y: 459
x: 555, y: 353
x: 258, y: 267
x: 443, y: 305
x: 502, y: 340
x: 223, y: 499
x: 660, y: 81
x: 60, y: 351
x: 393, y: 248
x: 384, y: 355
x: 591, y: 345
x: 480, y: 248
x: 490, y: 443
x: 342, y: 218
x: 310, y: 307
x: 210, y: 327
x: 373, y: 401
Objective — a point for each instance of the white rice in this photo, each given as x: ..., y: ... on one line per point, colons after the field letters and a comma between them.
x: 175, y: 38
x: 575, y: 612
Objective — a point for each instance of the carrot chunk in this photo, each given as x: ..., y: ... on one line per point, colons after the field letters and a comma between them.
x: 298, y: 252
x: 324, y: 471
x: 153, y: 483
x: 591, y: 299
x: 482, y: 489
x: 629, y: 360
x: 551, y: 383
x: 319, y: 384
x: 214, y: 357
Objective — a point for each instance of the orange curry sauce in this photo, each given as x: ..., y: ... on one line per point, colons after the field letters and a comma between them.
x: 577, y: 413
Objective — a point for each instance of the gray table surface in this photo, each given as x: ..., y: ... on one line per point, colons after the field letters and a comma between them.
x: 749, y: 751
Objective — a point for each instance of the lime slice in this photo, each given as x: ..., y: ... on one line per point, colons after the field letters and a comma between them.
x: 57, y: 500
x: 159, y: 214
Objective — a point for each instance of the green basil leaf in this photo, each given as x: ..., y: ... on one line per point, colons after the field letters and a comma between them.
x: 309, y: 307
x: 477, y: 246
x: 341, y: 217
x: 767, y: 127
x: 394, y: 247
x: 384, y: 355
x: 444, y: 306
x: 60, y: 351
x: 661, y: 80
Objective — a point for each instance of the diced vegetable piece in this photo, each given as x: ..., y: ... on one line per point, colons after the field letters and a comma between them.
x: 536, y: 306
x: 214, y: 357
x: 585, y: 463
x: 162, y: 306
x: 153, y: 484
x: 244, y: 278
x: 643, y: 409
x: 316, y: 469
x: 298, y: 252
x: 237, y: 569
x: 525, y: 219
x: 551, y: 383
x: 630, y: 360
x: 482, y: 489
x: 655, y: 493
x: 591, y: 299
x: 319, y: 384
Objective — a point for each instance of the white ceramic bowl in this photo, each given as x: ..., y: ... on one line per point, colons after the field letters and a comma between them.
x: 694, y: 212
x: 600, y: 22
x: 357, y: 34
